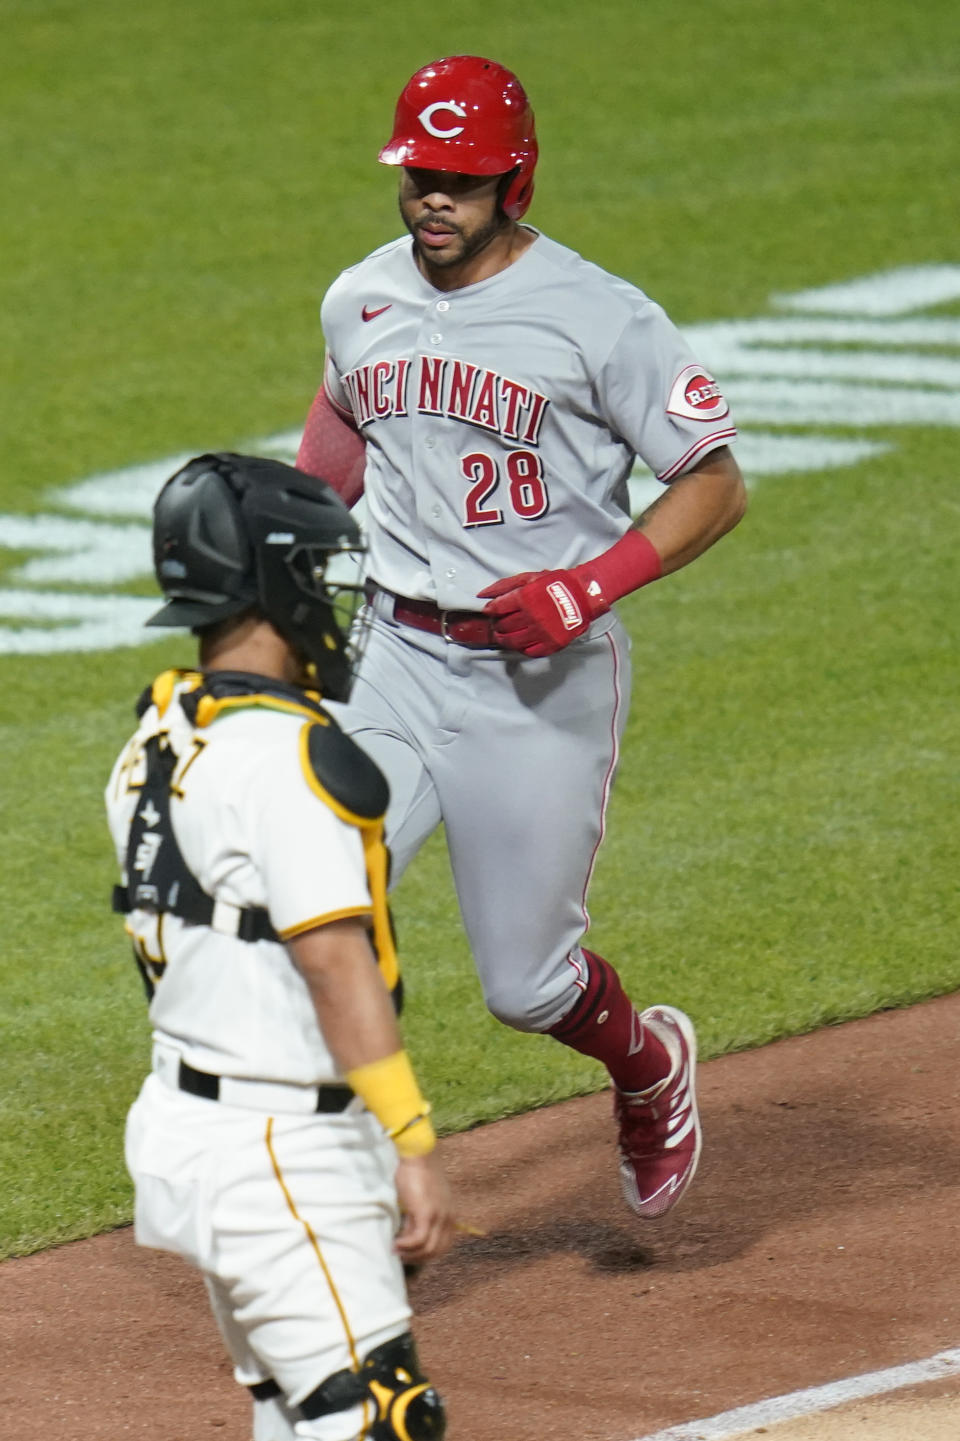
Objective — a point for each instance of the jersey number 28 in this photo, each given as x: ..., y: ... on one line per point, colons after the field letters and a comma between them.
x: 526, y: 487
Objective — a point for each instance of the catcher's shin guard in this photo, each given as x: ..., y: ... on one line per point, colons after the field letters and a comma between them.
x: 407, y: 1406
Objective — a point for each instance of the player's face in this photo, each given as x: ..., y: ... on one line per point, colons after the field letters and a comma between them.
x: 451, y: 217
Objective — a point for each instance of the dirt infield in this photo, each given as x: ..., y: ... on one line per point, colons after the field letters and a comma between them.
x: 819, y: 1242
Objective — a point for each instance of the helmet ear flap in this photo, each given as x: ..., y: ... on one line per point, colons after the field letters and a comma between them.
x: 516, y: 191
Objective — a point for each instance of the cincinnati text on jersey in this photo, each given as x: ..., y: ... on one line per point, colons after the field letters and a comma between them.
x: 436, y: 385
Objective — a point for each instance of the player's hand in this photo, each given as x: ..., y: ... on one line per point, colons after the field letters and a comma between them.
x: 427, y: 1208
x: 539, y: 612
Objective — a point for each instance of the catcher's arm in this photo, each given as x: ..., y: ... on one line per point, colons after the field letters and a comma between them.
x: 359, y: 1025
x: 333, y: 449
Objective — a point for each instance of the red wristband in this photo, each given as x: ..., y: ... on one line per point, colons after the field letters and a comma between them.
x: 629, y: 564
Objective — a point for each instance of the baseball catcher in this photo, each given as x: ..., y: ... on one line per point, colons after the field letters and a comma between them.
x: 280, y: 1143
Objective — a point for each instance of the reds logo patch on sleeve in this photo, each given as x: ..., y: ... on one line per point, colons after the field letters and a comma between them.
x: 695, y: 395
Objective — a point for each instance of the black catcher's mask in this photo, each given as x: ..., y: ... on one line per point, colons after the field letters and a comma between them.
x: 239, y: 532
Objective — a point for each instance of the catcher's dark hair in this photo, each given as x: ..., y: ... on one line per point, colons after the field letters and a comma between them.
x: 219, y: 630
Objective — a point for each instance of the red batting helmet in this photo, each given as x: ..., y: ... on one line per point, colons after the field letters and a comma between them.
x: 470, y: 116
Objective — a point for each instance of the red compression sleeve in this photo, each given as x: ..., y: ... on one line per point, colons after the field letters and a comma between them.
x: 333, y: 449
x: 630, y: 563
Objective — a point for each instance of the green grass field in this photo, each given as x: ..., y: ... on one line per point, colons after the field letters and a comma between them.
x: 181, y: 184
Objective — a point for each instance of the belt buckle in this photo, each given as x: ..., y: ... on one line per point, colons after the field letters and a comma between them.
x: 443, y: 627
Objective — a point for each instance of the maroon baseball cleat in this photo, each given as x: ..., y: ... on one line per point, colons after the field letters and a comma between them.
x: 659, y: 1128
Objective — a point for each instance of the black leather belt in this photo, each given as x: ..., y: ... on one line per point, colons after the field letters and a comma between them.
x: 330, y: 1099
x: 464, y: 627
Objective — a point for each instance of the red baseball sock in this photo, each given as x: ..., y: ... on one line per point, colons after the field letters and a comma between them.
x: 604, y: 1024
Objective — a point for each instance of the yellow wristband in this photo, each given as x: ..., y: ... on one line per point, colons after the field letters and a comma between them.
x: 389, y: 1089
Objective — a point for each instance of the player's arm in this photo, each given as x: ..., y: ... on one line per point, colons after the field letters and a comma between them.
x: 332, y: 448
x: 693, y: 512
x: 359, y: 1026
x: 539, y: 613
x: 353, y: 1005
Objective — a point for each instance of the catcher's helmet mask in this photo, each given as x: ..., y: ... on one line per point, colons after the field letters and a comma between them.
x: 468, y: 116
x: 234, y: 533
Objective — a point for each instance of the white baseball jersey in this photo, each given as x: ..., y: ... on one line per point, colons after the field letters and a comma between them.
x: 255, y: 830
x: 289, y: 1212
x: 503, y: 419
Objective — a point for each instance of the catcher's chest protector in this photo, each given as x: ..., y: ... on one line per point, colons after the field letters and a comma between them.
x: 157, y: 878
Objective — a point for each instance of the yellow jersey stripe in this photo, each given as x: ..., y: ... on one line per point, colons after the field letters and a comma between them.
x: 315, y: 1244
x: 301, y: 927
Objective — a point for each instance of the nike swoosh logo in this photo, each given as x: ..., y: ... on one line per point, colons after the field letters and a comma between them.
x: 368, y: 314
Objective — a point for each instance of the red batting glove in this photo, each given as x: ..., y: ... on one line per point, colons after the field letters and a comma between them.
x: 538, y: 613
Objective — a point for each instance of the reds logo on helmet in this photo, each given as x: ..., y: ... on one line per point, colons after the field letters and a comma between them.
x: 695, y: 395
x: 427, y: 121
x: 497, y: 134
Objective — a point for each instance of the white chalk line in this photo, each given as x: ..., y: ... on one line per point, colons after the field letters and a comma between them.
x: 730, y: 1424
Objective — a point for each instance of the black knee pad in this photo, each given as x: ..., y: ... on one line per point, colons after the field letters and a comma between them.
x: 408, y: 1408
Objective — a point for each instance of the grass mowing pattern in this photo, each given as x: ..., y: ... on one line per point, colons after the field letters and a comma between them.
x: 180, y: 188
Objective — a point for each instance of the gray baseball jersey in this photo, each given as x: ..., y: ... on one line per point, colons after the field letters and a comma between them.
x: 503, y: 419
x: 501, y: 422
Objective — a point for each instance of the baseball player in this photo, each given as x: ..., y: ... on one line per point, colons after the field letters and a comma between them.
x: 490, y: 390
x: 281, y: 1134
